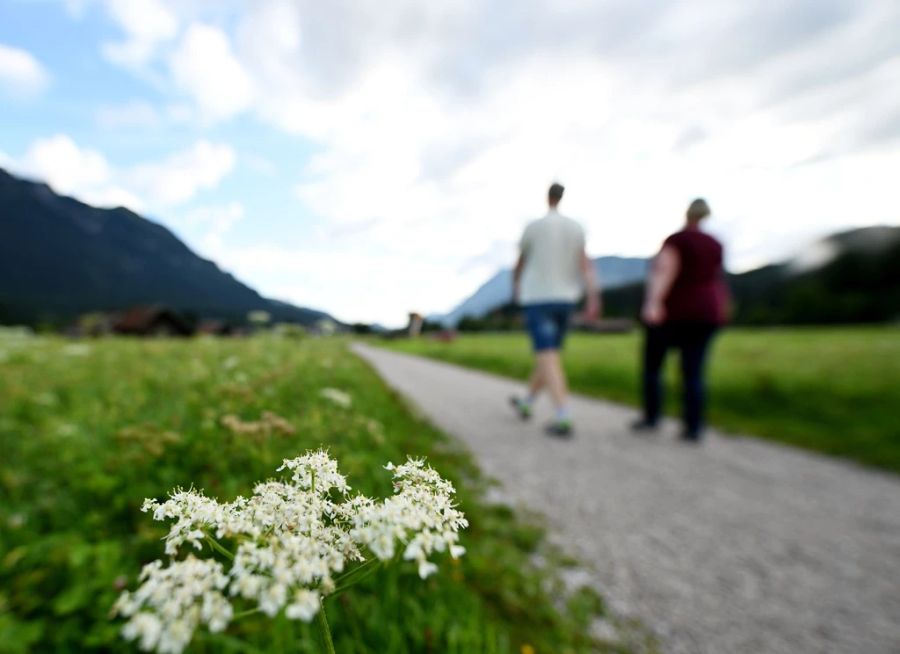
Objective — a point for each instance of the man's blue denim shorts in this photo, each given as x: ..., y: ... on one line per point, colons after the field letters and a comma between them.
x: 547, y: 324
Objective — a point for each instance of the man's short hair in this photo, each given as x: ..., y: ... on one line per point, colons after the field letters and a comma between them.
x: 556, y: 191
x: 698, y: 209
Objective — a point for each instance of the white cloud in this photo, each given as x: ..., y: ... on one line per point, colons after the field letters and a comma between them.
x: 316, y: 278
x: 60, y: 162
x: 20, y: 73
x: 75, y: 8
x: 180, y: 112
x: 204, y: 67
x: 133, y: 114
x: 260, y: 165
x: 182, y: 175
x: 437, y: 127
x: 111, y: 196
x: 156, y: 186
x: 436, y: 163
x: 147, y: 25
x: 72, y: 170
x: 219, y: 218
x: 214, y: 222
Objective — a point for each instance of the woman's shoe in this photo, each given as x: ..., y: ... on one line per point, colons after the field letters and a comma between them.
x: 690, y: 437
x: 643, y: 427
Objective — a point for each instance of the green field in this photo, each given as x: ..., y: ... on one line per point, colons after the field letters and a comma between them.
x: 834, y: 390
x: 89, y: 429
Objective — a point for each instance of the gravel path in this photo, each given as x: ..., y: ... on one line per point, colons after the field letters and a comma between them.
x: 738, y: 546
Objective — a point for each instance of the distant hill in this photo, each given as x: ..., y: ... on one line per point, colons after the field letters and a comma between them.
x: 849, y: 277
x: 613, y: 272
x: 60, y: 258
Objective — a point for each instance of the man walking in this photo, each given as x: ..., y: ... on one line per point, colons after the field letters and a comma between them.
x: 552, y: 273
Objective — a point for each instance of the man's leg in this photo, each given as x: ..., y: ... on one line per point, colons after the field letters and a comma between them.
x: 551, y: 373
x: 534, y: 320
x: 547, y: 325
x: 551, y: 368
x: 523, y: 405
x: 536, y: 383
x: 655, y: 347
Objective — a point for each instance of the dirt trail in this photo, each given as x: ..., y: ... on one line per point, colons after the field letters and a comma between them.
x: 737, y: 546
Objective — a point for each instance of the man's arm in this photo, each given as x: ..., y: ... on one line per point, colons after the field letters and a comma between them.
x: 593, y: 306
x: 517, y: 277
x: 520, y: 264
x: 665, y: 269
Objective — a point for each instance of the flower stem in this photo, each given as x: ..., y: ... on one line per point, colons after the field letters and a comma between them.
x: 324, y: 630
x: 244, y: 614
x: 217, y: 546
x: 348, y: 579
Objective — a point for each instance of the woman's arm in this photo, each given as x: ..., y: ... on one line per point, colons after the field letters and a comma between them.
x: 665, y: 269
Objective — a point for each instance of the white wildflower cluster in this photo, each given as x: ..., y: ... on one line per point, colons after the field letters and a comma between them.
x: 316, y: 471
x: 421, y: 514
x: 192, y: 512
x: 171, y: 602
x: 337, y: 396
x: 289, y: 541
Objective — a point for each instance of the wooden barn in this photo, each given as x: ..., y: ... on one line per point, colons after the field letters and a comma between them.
x: 216, y: 328
x: 153, y: 320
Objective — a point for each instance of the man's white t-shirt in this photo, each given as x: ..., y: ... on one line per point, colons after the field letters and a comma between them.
x: 552, y: 246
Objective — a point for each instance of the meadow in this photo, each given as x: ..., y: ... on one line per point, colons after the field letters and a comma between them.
x: 833, y: 390
x: 89, y: 429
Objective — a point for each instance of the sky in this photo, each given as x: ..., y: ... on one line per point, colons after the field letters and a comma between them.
x: 373, y: 158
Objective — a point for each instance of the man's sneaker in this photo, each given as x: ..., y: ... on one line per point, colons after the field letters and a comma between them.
x: 522, y: 407
x: 560, y: 429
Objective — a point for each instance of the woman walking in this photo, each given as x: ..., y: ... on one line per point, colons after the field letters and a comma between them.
x: 685, y: 303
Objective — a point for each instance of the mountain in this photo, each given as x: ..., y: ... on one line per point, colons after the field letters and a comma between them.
x: 852, y: 276
x: 848, y: 277
x: 60, y: 258
x: 613, y: 272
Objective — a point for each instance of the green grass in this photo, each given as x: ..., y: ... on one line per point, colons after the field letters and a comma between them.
x: 88, y: 430
x: 834, y: 390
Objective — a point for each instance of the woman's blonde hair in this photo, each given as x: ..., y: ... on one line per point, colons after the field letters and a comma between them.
x: 698, y: 209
